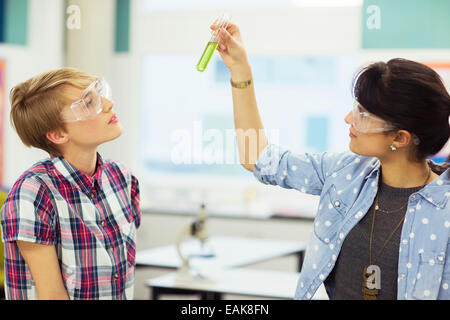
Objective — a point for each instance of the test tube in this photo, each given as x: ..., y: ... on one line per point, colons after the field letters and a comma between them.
x: 222, y: 22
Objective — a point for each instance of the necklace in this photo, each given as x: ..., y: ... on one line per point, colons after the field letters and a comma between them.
x: 377, y: 207
x: 372, y: 273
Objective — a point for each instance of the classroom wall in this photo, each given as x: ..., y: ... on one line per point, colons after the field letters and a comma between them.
x: 283, y: 31
x: 286, y: 31
x: 43, y: 52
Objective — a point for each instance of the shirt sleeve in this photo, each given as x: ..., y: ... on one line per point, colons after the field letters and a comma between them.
x: 27, y: 214
x: 135, y: 200
x: 304, y: 172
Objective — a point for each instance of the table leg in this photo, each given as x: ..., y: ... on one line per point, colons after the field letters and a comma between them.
x: 208, y: 295
x: 154, y: 293
x: 301, y: 256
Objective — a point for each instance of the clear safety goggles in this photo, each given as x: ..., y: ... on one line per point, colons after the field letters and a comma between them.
x: 90, y: 103
x: 364, y: 122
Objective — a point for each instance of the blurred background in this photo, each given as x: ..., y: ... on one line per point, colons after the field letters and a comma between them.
x: 178, y: 122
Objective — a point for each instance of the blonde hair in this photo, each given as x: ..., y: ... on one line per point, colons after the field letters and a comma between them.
x: 36, y: 105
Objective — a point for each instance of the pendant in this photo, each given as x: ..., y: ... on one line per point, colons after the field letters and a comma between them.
x: 371, y: 282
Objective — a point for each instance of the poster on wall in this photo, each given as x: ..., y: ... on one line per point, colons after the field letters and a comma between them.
x: 443, y: 69
x: 405, y: 24
x: 2, y: 116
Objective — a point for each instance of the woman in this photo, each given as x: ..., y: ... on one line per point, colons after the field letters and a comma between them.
x: 382, y: 227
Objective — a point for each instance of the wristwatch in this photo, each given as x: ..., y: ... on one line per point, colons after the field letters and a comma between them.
x: 241, y: 85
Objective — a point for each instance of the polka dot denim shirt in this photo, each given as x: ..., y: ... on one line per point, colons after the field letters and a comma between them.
x: 347, y: 184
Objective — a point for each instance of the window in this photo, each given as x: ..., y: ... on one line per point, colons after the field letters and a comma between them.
x: 187, y: 120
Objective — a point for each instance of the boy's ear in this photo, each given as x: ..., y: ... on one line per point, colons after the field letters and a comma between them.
x: 57, y: 136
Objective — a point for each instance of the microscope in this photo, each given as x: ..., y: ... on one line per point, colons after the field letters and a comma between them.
x: 196, y: 229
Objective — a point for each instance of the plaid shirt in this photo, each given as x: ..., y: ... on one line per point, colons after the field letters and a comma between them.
x: 91, y: 221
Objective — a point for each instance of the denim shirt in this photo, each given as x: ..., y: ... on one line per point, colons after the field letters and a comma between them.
x: 347, y: 184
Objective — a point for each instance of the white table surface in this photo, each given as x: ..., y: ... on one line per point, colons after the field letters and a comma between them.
x: 229, y: 252
x: 249, y: 282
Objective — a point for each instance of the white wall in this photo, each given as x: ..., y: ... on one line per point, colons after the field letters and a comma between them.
x: 90, y: 48
x: 43, y: 52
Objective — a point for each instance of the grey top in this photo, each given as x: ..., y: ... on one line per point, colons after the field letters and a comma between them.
x: 346, y: 279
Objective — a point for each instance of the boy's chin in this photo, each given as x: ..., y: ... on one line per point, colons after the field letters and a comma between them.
x: 116, y: 134
x: 109, y: 138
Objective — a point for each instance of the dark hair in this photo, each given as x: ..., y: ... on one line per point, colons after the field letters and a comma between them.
x: 409, y: 95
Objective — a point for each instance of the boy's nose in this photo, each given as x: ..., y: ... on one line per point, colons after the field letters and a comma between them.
x: 107, y: 105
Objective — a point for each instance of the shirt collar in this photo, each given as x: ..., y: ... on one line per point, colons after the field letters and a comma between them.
x: 77, y: 178
x: 433, y: 192
x: 374, y: 168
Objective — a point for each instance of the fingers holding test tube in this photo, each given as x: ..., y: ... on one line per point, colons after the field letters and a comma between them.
x: 230, y: 45
x: 219, y: 24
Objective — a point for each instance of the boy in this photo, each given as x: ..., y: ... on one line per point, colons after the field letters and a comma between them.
x: 69, y: 222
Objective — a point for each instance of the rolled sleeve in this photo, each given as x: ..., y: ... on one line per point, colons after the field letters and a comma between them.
x: 303, y: 172
x: 28, y: 214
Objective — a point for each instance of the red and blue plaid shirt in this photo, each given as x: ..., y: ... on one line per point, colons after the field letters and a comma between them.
x: 91, y: 221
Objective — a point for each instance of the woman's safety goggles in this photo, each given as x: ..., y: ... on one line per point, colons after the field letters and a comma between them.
x: 90, y: 103
x: 364, y: 122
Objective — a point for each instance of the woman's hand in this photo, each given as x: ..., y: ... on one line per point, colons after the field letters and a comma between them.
x: 246, y: 114
x: 230, y: 47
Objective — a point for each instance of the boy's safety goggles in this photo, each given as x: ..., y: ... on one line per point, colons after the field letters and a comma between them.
x: 90, y: 103
x: 364, y: 122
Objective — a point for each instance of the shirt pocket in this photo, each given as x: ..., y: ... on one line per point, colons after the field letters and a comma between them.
x: 330, y: 215
x: 429, y: 275
x: 128, y: 232
x: 123, y: 214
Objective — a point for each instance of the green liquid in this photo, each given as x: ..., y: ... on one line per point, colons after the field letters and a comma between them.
x: 206, y: 56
